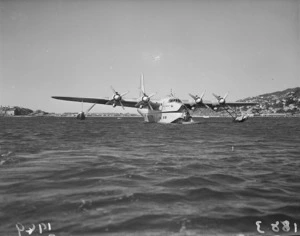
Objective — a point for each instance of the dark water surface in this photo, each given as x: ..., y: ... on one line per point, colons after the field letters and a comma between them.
x: 105, y: 176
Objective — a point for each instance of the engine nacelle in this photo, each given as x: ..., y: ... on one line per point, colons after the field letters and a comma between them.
x: 215, y: 108
x: 222, y: 101
x: 117, y: 97
x: 145, y: 99
x: 198, y: 100
x: 114, y: 105
x: 141, y: 106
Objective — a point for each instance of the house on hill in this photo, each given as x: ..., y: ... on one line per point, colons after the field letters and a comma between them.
x: 7, y: 111
x: 14, y: 111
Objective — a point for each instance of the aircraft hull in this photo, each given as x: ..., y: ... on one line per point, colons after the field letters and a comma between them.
x: 164, y: 117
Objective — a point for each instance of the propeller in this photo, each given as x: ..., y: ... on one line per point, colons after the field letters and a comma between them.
x: 199, y: 100
x: 117, y: 98
x: 220, y: 99
x: 144, y: 99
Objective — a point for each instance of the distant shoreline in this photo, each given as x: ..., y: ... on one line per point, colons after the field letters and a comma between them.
x: 203, y: 117
x: 58, y: 116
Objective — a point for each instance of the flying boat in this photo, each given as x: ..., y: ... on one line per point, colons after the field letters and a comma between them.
x: 167, y: 110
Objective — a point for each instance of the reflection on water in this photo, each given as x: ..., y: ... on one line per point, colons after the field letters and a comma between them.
x: 125, y: 177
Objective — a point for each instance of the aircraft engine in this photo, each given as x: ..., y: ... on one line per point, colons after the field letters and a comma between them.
x: 221, y: 100
x: 144, y: 99
x: 116, y: 98
x: 198, y: 100
x: 215, y: 108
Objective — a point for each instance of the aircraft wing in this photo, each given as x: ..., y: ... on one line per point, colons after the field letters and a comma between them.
x: 126, y: 103
x: 209, y: 104
x: 235, y: 104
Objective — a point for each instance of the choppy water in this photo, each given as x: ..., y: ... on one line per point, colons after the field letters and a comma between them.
x: 104, y: 176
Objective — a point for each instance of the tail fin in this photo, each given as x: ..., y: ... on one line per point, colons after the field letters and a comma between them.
x: 142, y: 87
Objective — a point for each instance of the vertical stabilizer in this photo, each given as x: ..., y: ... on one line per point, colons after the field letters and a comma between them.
x: 142, y: 87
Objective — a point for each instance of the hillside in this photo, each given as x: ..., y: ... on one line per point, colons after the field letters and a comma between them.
x: 280, y: 102
x: 20, y: 111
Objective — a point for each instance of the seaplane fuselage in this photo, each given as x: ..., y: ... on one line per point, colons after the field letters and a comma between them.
x: 168, y: 110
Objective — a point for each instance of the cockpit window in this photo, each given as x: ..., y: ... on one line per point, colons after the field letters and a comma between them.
x: 175, y: 100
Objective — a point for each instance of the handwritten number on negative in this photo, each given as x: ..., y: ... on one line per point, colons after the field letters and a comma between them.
x: 258, y: 227
x: 275, y: 227
x: 286, y: 225
x: 41, y: 228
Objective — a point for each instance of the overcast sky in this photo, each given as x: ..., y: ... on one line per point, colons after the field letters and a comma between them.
x: 81, y: 48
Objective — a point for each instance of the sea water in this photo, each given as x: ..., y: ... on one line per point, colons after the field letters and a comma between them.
x: 108, y: 176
